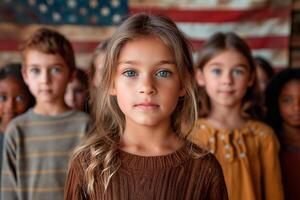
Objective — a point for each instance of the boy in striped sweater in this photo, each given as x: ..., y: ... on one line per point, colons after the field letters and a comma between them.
x: 38, y: 143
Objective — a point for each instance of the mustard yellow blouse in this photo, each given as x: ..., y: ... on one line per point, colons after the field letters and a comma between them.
x: 248, y: 156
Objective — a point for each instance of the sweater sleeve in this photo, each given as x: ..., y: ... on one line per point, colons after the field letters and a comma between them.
x: 271, y: 172
x: 217, y: 189
x: 9, y: 178
x: 74, y: 183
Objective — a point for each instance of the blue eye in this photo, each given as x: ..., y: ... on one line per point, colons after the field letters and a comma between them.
x: 238, y: 71
x: 55, y: 70
x: 129, y: 73
x: 163, y: 73
x: 34, y: 70
x: 216, y: 71
x: 19, y: 98
x: 2, y: 98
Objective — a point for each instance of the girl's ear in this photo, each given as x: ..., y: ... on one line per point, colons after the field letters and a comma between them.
x: 199, y: 77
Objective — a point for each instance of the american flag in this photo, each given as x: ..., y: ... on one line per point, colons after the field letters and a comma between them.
x: 264, y: 24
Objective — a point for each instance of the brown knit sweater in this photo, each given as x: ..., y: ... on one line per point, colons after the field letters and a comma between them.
x: 175, y: 176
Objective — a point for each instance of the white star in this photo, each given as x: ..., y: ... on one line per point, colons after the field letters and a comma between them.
x: 105, y: 11
x: 71, y: 3
x: 31, y: 2
x: 43, y: 8
x: 93, y: 3
x: 116, y: 18
x: 115, y: 3
x: 56, y: 16
x: 83, y: 11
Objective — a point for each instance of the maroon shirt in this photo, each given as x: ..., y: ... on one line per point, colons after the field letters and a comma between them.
x: 290, y: 166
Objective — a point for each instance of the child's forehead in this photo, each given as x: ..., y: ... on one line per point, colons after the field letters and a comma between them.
x: 292, y: 85
x: 228, y: 56
x: 10, y: 82
x: 37, y: 57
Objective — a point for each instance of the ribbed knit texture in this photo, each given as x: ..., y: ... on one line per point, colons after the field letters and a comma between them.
x: 174, y: 176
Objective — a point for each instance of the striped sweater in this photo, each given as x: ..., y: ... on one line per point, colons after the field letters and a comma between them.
x: 36, y: 154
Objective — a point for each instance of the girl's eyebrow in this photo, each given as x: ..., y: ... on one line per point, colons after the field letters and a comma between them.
x: 162, y: 62
x: 237, y: 64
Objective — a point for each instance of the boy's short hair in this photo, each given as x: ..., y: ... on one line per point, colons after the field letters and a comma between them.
x: 50, y: 42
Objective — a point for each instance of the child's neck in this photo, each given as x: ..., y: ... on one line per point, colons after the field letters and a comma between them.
x: 50, y: 109
x: 147, y: 141
x: 291, y: 135
x: 226, y: 118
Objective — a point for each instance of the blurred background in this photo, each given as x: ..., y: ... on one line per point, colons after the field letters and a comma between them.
x: 271, y: 27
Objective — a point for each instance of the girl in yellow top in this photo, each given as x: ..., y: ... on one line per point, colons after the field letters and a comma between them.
x: 246, y: 149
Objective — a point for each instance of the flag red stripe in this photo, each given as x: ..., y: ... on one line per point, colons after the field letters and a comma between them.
x: 271, y: 42
x: 217, y: 16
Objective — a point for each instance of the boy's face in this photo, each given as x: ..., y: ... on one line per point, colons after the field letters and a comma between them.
x: 46, y: 75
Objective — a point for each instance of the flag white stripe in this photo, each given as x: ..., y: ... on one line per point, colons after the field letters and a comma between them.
x: 204, y: 4
x: 73, y: 32
x: 272, y: 27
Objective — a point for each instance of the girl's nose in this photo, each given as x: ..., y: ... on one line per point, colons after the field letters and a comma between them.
x: 227, y: 78
x: 147, y: 85
x: 10, y: 104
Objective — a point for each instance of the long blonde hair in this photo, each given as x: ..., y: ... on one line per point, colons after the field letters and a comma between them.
x: 100, y: 149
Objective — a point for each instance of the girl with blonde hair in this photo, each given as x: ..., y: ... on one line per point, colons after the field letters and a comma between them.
x: 145, y: 109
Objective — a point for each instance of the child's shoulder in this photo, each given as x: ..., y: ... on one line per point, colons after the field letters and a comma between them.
x: 259, y: 128
x: 80, y: 114
x: 203, y: 125
x: 20, y: 119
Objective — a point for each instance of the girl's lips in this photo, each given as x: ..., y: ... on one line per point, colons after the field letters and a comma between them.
x: 147, y: 105
x: 227, y: 92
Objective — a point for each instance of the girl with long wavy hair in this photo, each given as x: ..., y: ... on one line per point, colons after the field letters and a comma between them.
x: 145, y: 109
